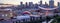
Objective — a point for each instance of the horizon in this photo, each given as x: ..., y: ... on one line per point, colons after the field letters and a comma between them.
x: 17, y: 2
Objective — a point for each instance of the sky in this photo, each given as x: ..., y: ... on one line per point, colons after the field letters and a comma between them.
x: 17, y: 2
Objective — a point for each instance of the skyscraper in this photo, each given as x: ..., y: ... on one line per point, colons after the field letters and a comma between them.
x: 30, y: 4
x: 26, y: 5
x: 40, y: 2
x: 46, y: 5
x: 59, y: 5
x: 36, y: 6
x: 21, y: 5
x: 51, y: 3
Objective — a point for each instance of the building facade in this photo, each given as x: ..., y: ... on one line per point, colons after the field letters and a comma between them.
x: 40, y: 2
x: 58, y: 5
x: 51, y: 4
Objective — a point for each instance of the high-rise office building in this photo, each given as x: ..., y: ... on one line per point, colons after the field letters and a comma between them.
x: 36, y: 6
x: 59, y: 5
x: 46, y: 5
x: 21, y: 5
x: 51, y: 3
x: 30, y: 4
x: 40, y: 2
x: 26, y: 5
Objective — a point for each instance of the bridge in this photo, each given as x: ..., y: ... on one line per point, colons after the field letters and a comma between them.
x: 47, y: 8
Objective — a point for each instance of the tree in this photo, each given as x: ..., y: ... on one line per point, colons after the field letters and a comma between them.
x: 56, y: 19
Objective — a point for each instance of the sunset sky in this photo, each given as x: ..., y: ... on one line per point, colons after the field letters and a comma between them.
x: 17, y: 2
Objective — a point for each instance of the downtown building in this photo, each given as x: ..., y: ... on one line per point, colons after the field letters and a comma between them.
x: 40, y: 2
x: 59, y: 5
x: 31, y: 5
x: 51, y: 4
x: 57, y: 10
x: 46, y: 5
x: 21, y: 5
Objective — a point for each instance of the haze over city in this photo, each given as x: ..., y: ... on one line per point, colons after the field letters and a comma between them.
x: 29, y: 11
x: 17, y: 2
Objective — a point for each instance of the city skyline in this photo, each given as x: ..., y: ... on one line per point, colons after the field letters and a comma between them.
x: 17, y: 2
